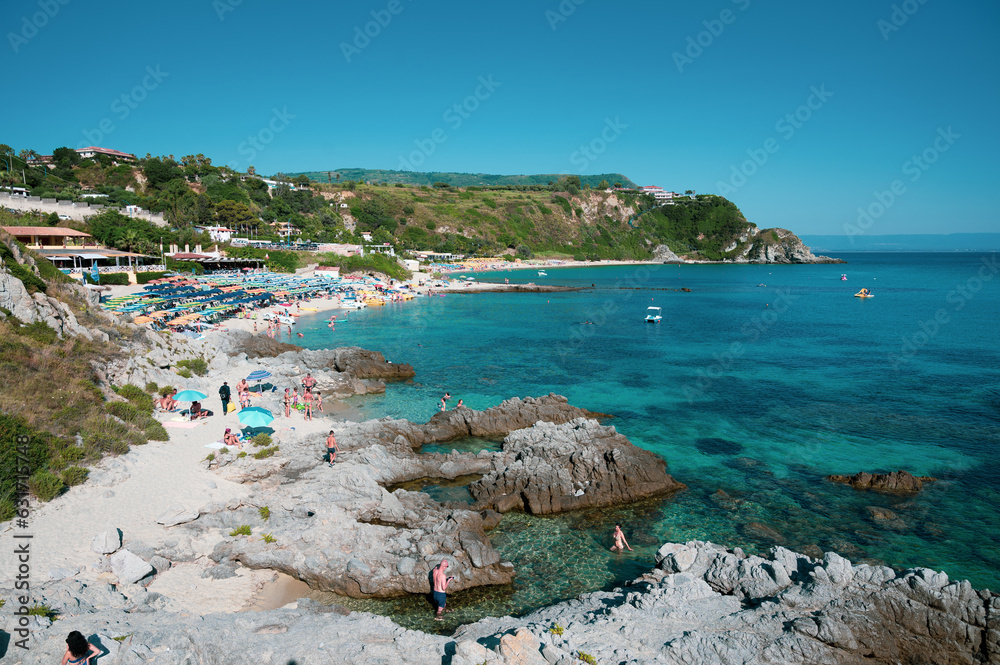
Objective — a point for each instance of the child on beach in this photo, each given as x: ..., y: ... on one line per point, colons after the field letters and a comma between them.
x: 331, y: 448
x: 295, y: 398
x: 319, y: 402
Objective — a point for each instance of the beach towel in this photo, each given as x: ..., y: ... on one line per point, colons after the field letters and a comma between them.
x: 187, y: 425
x: 216, y: 445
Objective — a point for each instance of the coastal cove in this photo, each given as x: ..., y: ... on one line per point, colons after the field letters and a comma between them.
x: 751, y: 393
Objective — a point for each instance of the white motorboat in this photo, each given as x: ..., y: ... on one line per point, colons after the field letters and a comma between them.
x: 653, y: 315
x: 353, y: 303
x: 542, y: 273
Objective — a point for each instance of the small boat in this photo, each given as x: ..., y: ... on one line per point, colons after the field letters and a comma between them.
x: 843, y: 278
x: 351, y: 303
x: 287, y: 320
x: 653, y: 315
x: 864, y: 293
x: 542, y: 273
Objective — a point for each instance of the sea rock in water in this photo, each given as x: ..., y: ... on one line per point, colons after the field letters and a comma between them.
x: 885, y: 518
x: 128, y: 567
x: 107, y: 541
x: 895, y: 482
x: 551, y: 468
x: 365, y: 364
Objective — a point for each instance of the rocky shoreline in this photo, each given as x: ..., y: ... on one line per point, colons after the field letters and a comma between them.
x: 341, y: 529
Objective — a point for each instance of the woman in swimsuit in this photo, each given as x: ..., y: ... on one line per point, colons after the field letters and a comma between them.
x: 231, y: 439
x: 78, y: 650
x: 319, y: 402
x: 620, y: 540
x: 288, y: 404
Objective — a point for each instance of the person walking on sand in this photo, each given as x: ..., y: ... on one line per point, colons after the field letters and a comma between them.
x: 78, y: 650
x: 225, y: 394
x: 319, y: 402
x: 441, y: 583
x: 288, y: 404
x: 620, y: 542
x: 331, y: 448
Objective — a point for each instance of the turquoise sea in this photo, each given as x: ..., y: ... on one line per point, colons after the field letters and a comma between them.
x: 759, y: 382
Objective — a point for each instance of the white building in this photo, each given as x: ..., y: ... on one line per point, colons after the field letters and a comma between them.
x: 658, y: 193
x: 218, y: 233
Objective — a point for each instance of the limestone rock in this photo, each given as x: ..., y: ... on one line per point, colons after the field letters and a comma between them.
x: 128, y: 567
x: 175, y: 516
x: 107, y: 541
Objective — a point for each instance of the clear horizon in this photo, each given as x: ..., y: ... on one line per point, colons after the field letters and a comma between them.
x: 857, y: 118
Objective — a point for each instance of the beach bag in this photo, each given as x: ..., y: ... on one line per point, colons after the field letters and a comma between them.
x: 231, y: 408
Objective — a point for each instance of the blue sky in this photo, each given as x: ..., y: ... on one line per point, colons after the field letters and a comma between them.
x: 801, y: 113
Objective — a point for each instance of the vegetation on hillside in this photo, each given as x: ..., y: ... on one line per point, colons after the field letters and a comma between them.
x: 50, y: 392
x: 469, y: 214
x: 388, y: 177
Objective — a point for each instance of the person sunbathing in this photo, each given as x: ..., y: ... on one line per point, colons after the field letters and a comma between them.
x: 231, y: 439
x: 197, y: 412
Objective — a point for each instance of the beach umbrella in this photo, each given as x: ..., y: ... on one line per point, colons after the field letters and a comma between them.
x: 189, y: 396
x: 258, y: 375
x: 255, y: 416
x: 142, y: 319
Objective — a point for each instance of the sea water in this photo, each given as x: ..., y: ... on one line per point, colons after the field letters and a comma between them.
x: 759, y: 382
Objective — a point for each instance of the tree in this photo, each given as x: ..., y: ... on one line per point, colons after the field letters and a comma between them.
x: 232, y: 214
x: 603, y: 184
x: 159, y: 172
x: 251, y: 170
x: 302, y: 180
x: 65, y: 158
x: 524, y: 252
x: 175, y: 201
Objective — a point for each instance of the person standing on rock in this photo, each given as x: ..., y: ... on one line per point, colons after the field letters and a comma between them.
x: 309, y: 381
x: 441, y: 588
x: 620, y: 542
x: 225, y: 394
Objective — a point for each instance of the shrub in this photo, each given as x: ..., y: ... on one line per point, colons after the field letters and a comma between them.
x: 74, y: 475
x: 152, y: 388
x: 40, y: 610
x: 155, y: 431
x: 45, y: 485
x: 265, y: 452
x: 57, y: 464
x: 166, y: 390
x: 242, y: 530
x: 103, y: 435
x: 184, y: 373
x: 72, y: 454
x: 140, y: 398
x: 40, y: 331
x: 122, y: 410
x: 210, y: 457
x: 116, y: 278
x: 7, y: 512
x: 431, y: 225
x: 268, y: 538
x: 586, y: 657
x: 556, y: 629
x: 242, y: 454
x: 197, y: 365
x: 265, y: 512
x: 147, y: 277
x: 261, y: 440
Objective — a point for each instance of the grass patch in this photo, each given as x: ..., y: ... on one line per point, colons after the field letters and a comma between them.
x: 556, y: 629
x: 154, y: 430
x: 39, y: 610
x: 268, y: 538
x: 74, y: 475
x: 265, y: 452
x: 184, y: 373
x: 138, y: 397
x: 242, y: 530
x: 45, y: 485
x: 196, y: 365
x: 265, y: 512
x: 210, y: 457
x: 261, y: 440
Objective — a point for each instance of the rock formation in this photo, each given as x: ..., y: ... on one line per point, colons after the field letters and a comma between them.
x: 702, y: 604
x: 341, y: 529
x: 897, y: 482
x: 550, y: 469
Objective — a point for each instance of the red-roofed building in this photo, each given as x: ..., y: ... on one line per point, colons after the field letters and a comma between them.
x: 41, y: 237
x: 116, y: 155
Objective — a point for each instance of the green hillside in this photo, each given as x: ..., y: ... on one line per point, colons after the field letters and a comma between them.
x: 457, y: 179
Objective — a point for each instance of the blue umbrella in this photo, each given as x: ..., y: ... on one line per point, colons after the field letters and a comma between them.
x: 255, y: 416
x: 189, y: 396
x: 258, y: 374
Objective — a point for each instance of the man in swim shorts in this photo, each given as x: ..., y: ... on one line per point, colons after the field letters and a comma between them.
x: 331, y: 448
x: 441, y: 583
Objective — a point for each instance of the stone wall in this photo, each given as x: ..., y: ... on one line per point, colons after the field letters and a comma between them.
x: 75, y: 211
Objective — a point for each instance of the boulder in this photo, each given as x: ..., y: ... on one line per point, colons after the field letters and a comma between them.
x: 129, y: 568
x: 900, y: 482
x: 176, y: 515
x: 107, y: 541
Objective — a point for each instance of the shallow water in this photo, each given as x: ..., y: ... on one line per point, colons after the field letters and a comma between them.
x: 757, y: 391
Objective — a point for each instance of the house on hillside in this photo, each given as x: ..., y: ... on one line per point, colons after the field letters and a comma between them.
x: 658, y: 193
x: 117, y: 156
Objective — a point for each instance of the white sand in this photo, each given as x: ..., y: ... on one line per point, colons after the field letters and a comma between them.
x: 146, y: 482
